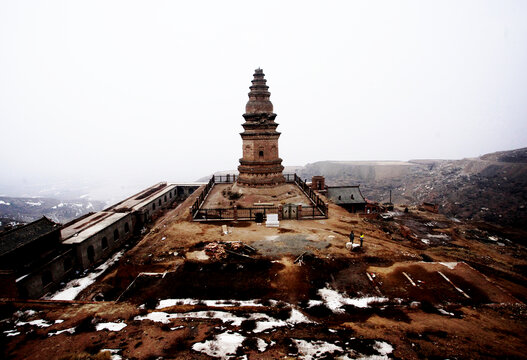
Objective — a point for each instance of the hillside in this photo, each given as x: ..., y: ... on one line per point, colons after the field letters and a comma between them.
x: 490, y: 188
x: 26, y: 209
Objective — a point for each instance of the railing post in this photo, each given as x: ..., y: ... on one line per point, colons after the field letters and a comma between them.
x: 299, y: 212
x: 280, y: 212
x: 235, y: 212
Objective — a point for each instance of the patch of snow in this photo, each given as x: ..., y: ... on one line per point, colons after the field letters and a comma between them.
x: 4, y: 203
x: 223, y: 345
x: 334, y: 300
x: 438, y: 236
x: 315, y: 349
x: 382, y: 347
x: 59, y: 321
x: 74, y: 287
x: 39, y: 322
x: 312, y: 303
x: 111, y: 326
x: 114, y: 353
x: 373, y: 357
x: 28, y: 312
x: 89, y: 206
x: 60, y: 205
x: 83, y: 196
x: 58, y: 332
x: 11, y: 333
x: 263, y: 321
x: 78, y: 205
x: 31, y: 203
x: 426, y: 241
x: 297, y: 317
x: 444, y: 312
x: 450, y: 265
x: 262, y: 345
x: 222, y: 303
x: 267, y: 323
x: 163, y: 317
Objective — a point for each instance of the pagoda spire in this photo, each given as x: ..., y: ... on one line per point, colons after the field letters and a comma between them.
x: 259, y: 95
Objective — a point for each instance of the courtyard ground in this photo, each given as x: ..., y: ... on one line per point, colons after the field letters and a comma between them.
x: 422, y: 286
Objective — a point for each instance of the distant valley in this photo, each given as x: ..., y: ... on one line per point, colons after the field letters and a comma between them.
x: 26, y: 209
x: 490, y: 188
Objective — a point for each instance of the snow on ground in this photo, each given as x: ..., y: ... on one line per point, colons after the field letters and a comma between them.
x: 262, y: 345
x: 263, y: 321
x: 11, y: 333
x: 223, y: 303
x: 58, y: 332
x: 39, y: 322
x: 31, y: 203
x: 438, y: 236
x: 163, y: 317
x: 382, y: 347
x: 450, y: 265
x: 223, y: 345
x: 74, y: 287
x: 4, y: 203
x: 111, y: 326
x: 334, y: 300
x: 114, y: 353
x: 315, y: 349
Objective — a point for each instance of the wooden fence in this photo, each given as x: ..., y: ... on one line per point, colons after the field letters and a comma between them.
x: 319, y: 208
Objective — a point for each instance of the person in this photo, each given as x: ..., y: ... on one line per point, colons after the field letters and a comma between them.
x: 352, y: 236
x: 361, y: 238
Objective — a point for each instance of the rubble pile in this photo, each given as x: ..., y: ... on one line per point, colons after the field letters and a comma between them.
x: 218, y: 251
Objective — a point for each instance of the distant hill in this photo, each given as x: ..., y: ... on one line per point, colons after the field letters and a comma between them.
x: 26, y: 209
x: 492, y: 187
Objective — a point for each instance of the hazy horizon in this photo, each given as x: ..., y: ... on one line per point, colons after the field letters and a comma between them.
x: 128, y: 93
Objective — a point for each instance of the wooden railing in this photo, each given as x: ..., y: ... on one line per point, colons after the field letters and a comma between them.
x: 312, y: 195
x: 319, y: 209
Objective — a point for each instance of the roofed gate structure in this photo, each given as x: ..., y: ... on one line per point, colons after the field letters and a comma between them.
x: 260, y: 165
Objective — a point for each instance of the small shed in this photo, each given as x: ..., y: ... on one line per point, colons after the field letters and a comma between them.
x: 349, y: 197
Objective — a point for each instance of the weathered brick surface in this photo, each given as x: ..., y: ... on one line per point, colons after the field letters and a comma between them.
x: 260, y: 165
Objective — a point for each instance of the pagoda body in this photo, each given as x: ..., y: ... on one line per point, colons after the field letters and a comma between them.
x: 260, y: 165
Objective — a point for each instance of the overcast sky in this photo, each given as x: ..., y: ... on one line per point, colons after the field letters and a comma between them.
x: 136, y: 92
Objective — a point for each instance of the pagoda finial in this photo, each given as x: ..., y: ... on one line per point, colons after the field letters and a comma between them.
x: 259, y: 95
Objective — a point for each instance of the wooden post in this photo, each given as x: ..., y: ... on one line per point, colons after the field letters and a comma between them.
x: 280, y: 212
x: 298, y: 211
x: 235, y: 212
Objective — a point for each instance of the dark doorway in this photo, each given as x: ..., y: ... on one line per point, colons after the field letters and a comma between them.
x: 91, y: 254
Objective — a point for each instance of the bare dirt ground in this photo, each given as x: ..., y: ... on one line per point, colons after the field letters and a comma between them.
x: 422, y: 286
x: 227, y: 195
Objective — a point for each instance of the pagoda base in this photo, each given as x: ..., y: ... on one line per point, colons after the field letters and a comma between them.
x: 260, y: 180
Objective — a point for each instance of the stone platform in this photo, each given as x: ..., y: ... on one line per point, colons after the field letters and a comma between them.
x: 224, y: 196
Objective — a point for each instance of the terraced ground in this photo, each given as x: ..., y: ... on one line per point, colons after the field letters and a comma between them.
x: 422, y: 286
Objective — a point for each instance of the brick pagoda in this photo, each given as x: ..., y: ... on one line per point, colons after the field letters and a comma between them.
x: 260, y: 165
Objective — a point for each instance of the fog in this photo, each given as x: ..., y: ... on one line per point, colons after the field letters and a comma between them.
x: 107, y: 97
